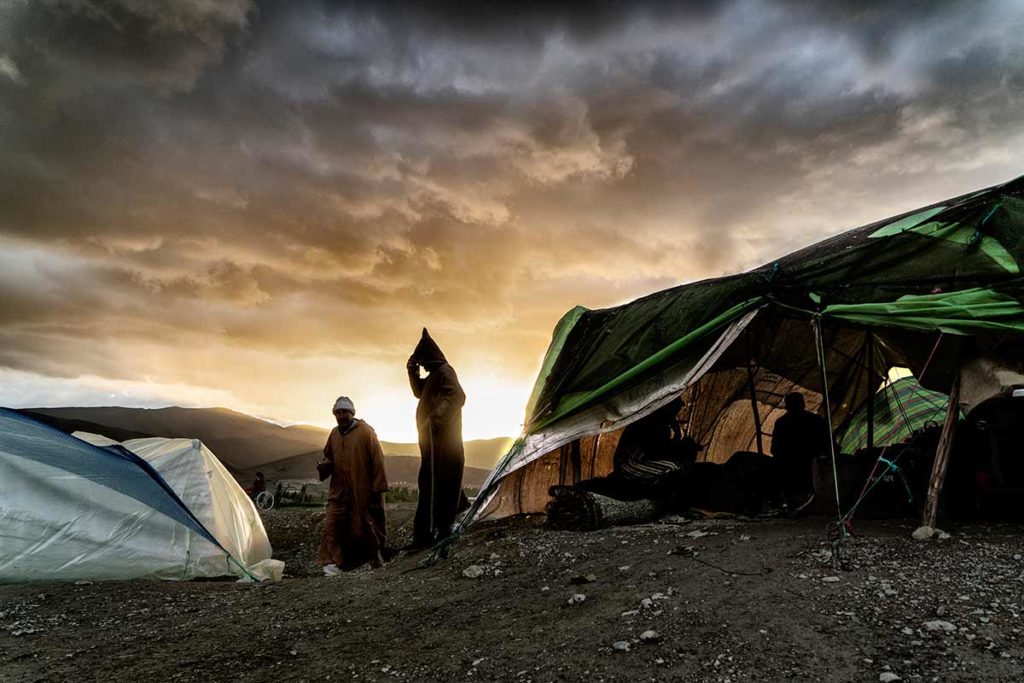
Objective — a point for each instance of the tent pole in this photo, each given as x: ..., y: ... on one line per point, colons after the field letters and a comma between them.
x: 753, y: 405
x: 816, y: 324
x: 869, y: 343
x: 753, y: 399
x: 938, y: 478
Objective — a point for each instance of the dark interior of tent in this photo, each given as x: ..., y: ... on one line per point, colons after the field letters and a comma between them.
x: 884, y: 468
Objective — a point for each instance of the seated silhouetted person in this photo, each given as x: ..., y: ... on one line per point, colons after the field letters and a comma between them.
x: 798, y: 438
x: 653, y: 456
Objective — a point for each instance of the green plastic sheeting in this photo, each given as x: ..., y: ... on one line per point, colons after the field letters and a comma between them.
x: 967, y: 312
x: 562, y: 330
x: 673, y: 350
x: 902, y: 408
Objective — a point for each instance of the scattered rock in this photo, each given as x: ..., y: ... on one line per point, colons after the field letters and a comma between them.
x: 581, y: 579
x: 621, y: 645
x: 941, y: 535
x: 922, y: 533
x: 473, y: 571
x: 939, y: 625
x: 577, y: 598
x: 888, y: 677
x: 830, y: 579
x: 650, y: 636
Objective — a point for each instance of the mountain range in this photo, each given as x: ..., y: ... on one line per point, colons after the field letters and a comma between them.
x: 245, y: 443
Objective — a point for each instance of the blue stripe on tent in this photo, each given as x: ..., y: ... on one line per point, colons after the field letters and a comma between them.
x: 114, y: 467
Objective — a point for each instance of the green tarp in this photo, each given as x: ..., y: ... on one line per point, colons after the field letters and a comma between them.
x: 901, y: 408
x: 897, y: 273
x: 952, y: 269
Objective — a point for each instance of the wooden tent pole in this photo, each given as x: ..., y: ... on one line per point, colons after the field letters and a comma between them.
x: 753, y: 405
x: 938, y: 478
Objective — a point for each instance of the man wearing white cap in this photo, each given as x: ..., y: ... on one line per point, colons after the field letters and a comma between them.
x: 354, y: 530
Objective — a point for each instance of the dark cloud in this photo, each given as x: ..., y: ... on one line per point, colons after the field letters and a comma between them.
x: 299, y: 179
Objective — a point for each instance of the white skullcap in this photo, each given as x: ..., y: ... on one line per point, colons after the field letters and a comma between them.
x: 344, y: 403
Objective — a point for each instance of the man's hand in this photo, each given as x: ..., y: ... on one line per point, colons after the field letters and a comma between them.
x: 324, y: 468
x: 412, y: 365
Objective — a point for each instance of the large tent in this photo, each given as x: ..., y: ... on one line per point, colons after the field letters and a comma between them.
x: 937, y: 290
x: 72, y: 510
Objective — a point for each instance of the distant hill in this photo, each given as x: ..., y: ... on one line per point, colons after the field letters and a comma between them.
x: 70, y: 426
x: 401, y: 469
x: 245, y: 443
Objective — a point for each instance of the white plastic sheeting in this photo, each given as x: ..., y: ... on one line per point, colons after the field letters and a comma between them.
x: 214, y: 497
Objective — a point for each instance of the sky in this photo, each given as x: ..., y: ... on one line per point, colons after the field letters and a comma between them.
x: 258, y: 205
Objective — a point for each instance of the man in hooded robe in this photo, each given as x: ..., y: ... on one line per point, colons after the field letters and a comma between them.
x: 354, y: 529
x: 442, y: 459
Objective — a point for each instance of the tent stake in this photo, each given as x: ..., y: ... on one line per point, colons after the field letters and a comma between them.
x: 938, y: 478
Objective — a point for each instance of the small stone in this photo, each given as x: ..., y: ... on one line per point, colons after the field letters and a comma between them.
x: 907, y: 631
x: 83, y: 583
x: 939, y: 625
x: 830, y: 579
x: 581, y: 579
x: 744, y: 537
x: 941, y: 535
x: 697, y: 533
x: 621, y: 645
x: 473, y: 571
x: 577, y: 598
x: 650, y: 636
x: 888, y: 677
x: 922, y: 533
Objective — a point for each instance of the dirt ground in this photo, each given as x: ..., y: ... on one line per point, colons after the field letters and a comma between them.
x: 657, y: 604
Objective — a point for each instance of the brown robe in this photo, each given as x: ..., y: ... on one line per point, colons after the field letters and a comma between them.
x: 354, y: 531
x: 442, y: 458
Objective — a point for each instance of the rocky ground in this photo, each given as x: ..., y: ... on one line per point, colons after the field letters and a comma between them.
x: 716, y: 600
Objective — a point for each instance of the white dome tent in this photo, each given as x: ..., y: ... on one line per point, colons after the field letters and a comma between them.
x: 73, y: 510
x: 210, y: 492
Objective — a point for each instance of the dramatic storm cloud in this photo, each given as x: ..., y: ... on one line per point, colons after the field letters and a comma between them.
x: 258, y: 205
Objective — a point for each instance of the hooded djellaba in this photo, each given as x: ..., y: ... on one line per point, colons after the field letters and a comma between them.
x: 442, y: 459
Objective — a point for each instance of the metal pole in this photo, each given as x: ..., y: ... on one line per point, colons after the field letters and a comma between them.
x: 869, y: 343
x: 816, y: 323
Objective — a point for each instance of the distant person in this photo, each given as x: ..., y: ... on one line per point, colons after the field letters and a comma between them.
x: 259, y: 485
x: 442, y: 458
x: 798, y: 438
x: 354, y: 529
